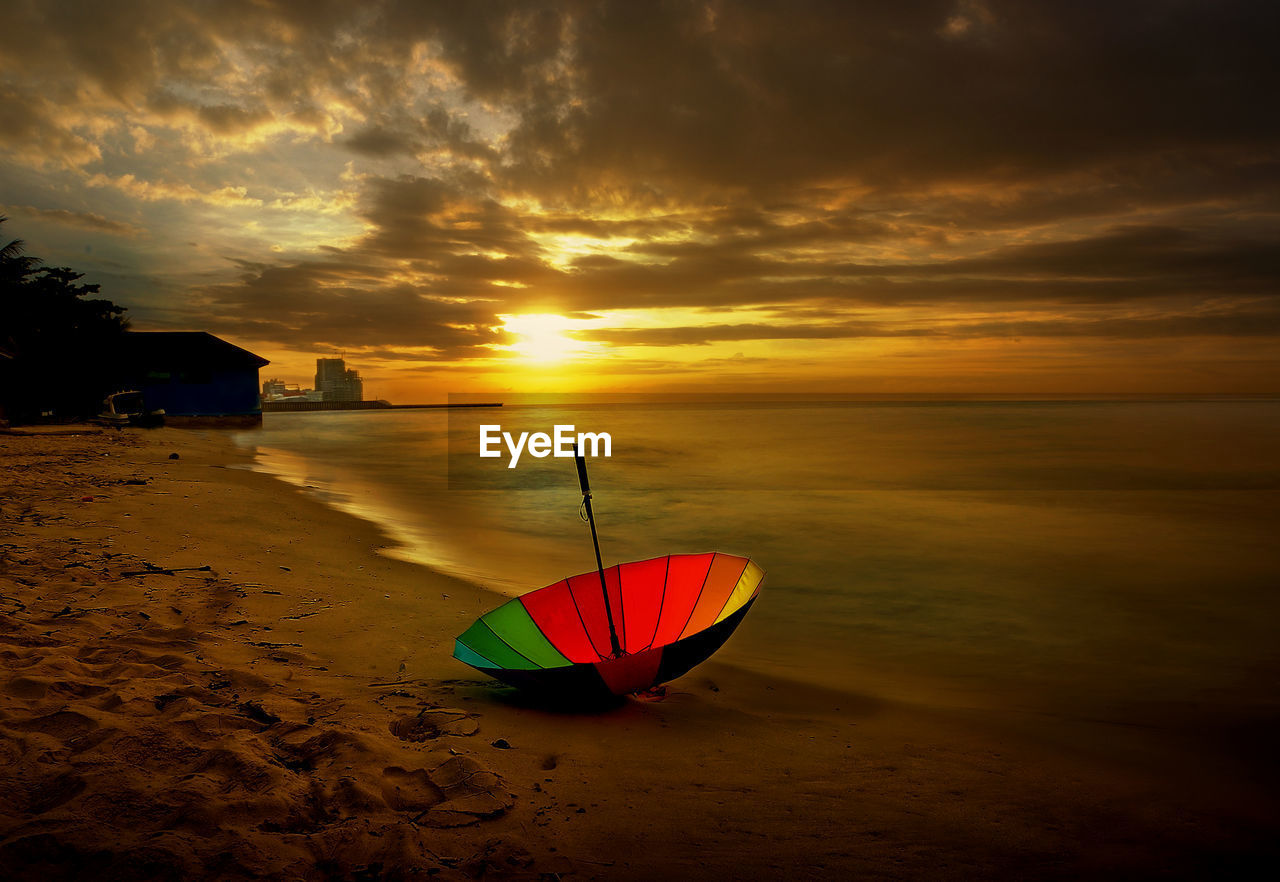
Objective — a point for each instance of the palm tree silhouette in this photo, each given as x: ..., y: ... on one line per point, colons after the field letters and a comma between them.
x: 14, y: 265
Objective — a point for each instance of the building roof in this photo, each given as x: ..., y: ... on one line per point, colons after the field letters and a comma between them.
x: 157, y: 349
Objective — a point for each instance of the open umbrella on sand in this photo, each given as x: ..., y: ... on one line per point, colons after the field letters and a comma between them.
x: 614, y: 631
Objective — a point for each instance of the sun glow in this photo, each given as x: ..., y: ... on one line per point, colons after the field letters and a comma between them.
x: 561, y: 250
x: 542, y: 337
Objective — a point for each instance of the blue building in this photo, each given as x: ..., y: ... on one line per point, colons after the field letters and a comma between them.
x: 197, y: 378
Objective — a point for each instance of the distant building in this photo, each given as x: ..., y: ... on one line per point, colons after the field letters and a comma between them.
x: 336, y: 383
x: 195, y: 377
x: 279, y: 390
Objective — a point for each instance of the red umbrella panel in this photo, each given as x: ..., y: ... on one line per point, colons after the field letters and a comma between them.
x: 668, y: 613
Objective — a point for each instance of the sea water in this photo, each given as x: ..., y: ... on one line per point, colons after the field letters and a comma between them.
x: 1114, y: 558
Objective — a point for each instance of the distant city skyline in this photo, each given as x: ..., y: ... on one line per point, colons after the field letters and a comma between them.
x: 960, y: 196
x: 333, y: 381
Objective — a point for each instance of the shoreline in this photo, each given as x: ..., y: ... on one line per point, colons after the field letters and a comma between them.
x: 733, y: 773
x: 155, y: 726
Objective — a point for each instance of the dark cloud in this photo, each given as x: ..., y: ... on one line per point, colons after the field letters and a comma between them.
x: 704, y: 334
x: 377, y: 140
x: 86, y: 220
x: 672, y: 97
x: 1248, y: 322
x: 339, y: 305
x: 1124, y: 263
x: 429, y: 219
x: 415, y: 134
x: 772, y: 96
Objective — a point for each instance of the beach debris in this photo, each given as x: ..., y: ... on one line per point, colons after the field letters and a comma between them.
x: 306, y: 615
x: 498, y: 859
x: 286, y: 569
x: 432, y: 723
x: 501, y: 744
x: 153, y: 570
x: 655, y: 693
x: 174, y: 456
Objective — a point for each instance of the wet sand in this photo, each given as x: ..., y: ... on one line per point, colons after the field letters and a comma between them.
x: 205, y: 673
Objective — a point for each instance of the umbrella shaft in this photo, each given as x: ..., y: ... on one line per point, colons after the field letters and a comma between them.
x: 608, y: 610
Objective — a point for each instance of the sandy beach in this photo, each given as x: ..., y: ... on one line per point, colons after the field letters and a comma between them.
x: 207, y: 674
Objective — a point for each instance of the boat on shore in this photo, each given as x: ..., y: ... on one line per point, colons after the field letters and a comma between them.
x: 129, y: 408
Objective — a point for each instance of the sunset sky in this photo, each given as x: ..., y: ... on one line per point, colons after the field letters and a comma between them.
x: 856, y: 197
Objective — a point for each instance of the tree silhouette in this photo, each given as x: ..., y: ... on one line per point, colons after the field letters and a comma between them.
x: 13, y: 263
x: 58, y: 342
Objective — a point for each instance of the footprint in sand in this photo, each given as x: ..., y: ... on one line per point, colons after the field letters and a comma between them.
x: 433, y: 723
x: 49, y: 792
x: 26, y: 687
x: 455, y: 793
x: 409, y: 790
x: 469, y: 791
x: 63, y: 725
x: 300, y: 751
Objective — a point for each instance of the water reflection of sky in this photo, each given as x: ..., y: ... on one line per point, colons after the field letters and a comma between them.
x: 990, y: 552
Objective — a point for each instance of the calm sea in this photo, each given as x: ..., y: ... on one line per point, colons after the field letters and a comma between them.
x: 1089, y: 557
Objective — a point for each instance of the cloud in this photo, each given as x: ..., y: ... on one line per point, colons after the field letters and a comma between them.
x: 394, y: 176
x: 153, y: 191
x: 337, y: 304
x: 85, y: 220
x: 32, y: 134
x: 705, y: 334
x: 1264, y: 322
x: 1248, y: 322
x: 663, y: 101
x: 771, y: 97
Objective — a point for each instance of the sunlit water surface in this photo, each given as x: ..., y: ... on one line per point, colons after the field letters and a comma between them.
x: 1087, y: 558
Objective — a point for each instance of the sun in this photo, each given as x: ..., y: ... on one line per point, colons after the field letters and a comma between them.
x: 542, y: 337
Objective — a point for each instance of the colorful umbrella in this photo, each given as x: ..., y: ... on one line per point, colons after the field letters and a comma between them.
x: 615, y: 631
